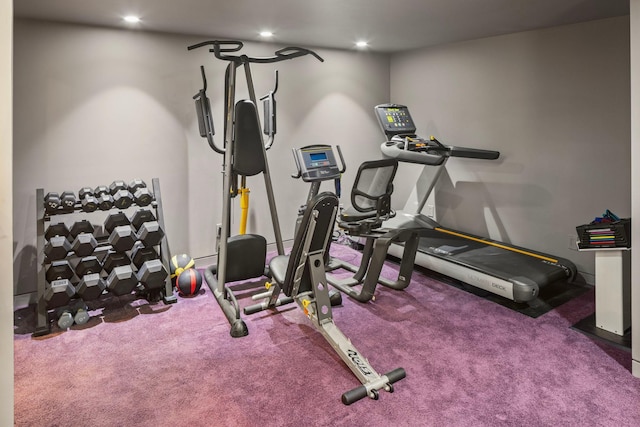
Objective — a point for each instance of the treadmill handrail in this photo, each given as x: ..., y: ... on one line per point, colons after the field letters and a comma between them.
x: 435, y: 154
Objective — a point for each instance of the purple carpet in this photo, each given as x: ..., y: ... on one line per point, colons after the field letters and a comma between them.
x: 469, y: 362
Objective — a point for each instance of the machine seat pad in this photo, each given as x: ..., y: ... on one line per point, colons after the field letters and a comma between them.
x: 278, y: 267
x: 350, y: 214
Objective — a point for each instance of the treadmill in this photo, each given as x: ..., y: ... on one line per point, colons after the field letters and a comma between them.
x: 512, y: 272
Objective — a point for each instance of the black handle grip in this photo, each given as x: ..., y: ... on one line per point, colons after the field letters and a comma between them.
x: 231, y: 45
x: 396, y: 375
x: 354, y: 395
x: 252, y: 309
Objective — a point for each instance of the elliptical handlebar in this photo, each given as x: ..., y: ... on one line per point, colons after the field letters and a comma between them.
x: 344, y: 166
x: 219, y: 50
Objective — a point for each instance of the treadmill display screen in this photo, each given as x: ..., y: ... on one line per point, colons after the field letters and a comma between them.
x: 395, y: 119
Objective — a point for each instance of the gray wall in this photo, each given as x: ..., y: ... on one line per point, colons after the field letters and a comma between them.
x: 93, y: 105
x: 6, y: 214
x: 555, y: 103
x: 635, y: 179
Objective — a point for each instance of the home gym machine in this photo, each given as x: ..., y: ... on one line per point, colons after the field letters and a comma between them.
x: 301, y: 277
x: 242, y: 256
x: 370, y: 207
x: 500, y: 268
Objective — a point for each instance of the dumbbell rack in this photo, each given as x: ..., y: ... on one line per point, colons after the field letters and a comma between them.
x: 43, y: 217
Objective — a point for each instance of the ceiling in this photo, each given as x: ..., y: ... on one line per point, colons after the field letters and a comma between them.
x: 388, y: 26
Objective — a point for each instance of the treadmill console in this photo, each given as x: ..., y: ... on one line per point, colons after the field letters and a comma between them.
x: 316, y: 163
x: 395, y: 120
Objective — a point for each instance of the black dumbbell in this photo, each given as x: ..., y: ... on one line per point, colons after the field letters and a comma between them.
x: 59, y: 290
x: 141, y: 253
x: 79, y: 227
x: 68, y: 201
x: 122, y: 280
x: 105, y: 201
x: 122, y: 199
x: 152, y: 274
x: 88, y: 265
x: 104, y: 197
x: 59, y: 270
x: 115, y: 259
x: 135, y: 184
x: 57, y: 248
x: 140, y: 217
x: 122, y: 238
x: 115, y: 220
x: 150, y: 233
x: 100, y: 190
x: 58, y: 229
x: 58, y: 293
x: 87, y: 199
x: 141, y: 194
x: 51, y: 202
x: 91, y: 285
x: 116, y: 186
x: 84, y: 244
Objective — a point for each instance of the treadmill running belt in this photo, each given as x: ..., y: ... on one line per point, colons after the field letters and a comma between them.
x: 497, y: 261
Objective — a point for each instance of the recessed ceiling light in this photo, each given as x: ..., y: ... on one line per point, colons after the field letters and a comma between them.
x: 131, y: 19
x: 266, y: 34
x: 362, y: 44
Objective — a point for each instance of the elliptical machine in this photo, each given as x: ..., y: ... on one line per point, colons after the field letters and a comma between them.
x: 242, y: 256
x: 370, y: 207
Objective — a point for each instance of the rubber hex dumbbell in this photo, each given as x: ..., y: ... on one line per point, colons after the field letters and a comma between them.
x: 115, y: 259
x: 150, y: 233
x: 84, y: 244
x: 57, y: 229
x: 91, y: 285
x: 152, y: 274
x: 141, y: 194
x: 116, y: 186
x: 58, y: 293
x: 79, y: 227
x: 140, y: 217
x: 104, y: 197
x: 115, y: 220
x: 81, y: 233
x: 59, y: 270
x: 57, y: 245
x: 57, y: 248
x: 122, y: 280
x: 59, y: 290
x: 122, y: 238
x: 135, y: 184
x: 122, y: 199
x: 140, y: 254
x: 68, y: 201
x: 88, y: 201
x: 51, y: 202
